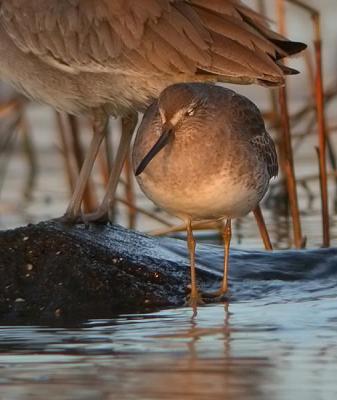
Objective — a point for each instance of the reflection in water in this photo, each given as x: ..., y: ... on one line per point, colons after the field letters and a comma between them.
x: 247, y: 350
x: 205, y: 371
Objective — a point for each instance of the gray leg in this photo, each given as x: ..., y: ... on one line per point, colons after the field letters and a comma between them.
x: 74, y: 208
x: 129, y: 124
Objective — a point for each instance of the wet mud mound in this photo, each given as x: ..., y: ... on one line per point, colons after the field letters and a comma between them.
x: 50, y: 271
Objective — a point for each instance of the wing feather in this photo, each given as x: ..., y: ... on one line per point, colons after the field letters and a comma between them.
x: 216, y: 37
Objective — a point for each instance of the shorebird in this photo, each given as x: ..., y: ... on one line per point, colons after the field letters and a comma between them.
x: 202, y: 153
x: 113, y: 57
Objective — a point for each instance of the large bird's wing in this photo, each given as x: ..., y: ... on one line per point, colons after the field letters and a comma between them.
x: 221, y: 38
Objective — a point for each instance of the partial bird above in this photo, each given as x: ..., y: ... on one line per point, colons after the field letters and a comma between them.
x: 107, y: 58
x: 202, y: 153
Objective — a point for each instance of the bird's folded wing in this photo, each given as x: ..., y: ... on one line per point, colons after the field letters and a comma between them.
x: 265, y: 149
x: 221, y: 38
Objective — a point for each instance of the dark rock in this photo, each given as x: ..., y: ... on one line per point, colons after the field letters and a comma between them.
x: 51, y: 271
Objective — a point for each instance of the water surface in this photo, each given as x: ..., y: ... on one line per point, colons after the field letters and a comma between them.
x: 260, y: 349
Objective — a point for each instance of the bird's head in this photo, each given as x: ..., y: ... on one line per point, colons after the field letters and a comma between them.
x: 176, y: 104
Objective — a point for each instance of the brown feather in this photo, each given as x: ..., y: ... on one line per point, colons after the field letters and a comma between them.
x: 217, y: 37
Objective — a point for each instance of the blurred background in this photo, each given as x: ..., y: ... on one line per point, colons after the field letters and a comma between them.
x: 41, y: 151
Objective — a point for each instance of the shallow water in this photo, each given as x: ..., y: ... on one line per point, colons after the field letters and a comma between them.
x: 261, y: 349
x: 275, y: 338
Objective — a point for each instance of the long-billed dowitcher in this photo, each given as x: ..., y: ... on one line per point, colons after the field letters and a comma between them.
x: 202, y: 153
x: 113, y: 57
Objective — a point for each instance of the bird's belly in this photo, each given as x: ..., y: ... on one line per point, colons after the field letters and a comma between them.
x: 118, y: 91
x: 71, y: 92
x: 221, y: 197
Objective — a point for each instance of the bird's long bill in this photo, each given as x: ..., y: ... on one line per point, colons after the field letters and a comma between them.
x: 159, y: 145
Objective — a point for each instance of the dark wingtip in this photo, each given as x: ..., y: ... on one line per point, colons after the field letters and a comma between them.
x: 287, y: 70
x: 289, y: 47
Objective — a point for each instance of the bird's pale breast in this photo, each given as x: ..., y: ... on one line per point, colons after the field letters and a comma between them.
x: 202, y: 174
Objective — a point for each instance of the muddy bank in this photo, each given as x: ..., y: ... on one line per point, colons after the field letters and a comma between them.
x: 50, y: 271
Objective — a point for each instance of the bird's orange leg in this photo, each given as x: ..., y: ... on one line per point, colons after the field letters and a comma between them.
x: 194, y: 297
x: 227, y: 236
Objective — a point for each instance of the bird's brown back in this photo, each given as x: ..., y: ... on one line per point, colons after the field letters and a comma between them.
x: 211, y: 38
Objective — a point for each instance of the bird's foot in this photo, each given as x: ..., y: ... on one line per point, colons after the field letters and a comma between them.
x: 217, y: 296
x: 99, y: 216
x: 201, y: 298
x: 194, y: 300
x: 70, y: 219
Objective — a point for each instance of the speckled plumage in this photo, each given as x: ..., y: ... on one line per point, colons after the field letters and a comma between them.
x: 219, y: 160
